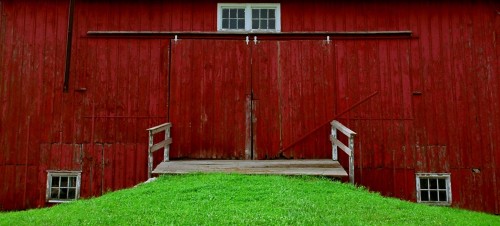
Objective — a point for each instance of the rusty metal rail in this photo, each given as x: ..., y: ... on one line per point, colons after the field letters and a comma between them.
x: 165, y: 144
x: 348, y: 149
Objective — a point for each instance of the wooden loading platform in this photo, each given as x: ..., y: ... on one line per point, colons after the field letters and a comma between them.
x: 316, y: 167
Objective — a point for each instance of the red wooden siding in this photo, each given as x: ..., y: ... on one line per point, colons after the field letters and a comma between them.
x: 116, y: 92
x: 385, y: 122
x: 291, y: 98
x: 437, y: 108
x: 209, y: 99
x: 32, y: 42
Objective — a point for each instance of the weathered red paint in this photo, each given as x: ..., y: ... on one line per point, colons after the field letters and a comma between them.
x: 291, y: 98
x: 436, y: 111
x: 208, y: 100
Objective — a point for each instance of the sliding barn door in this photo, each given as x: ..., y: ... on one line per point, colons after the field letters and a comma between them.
x: 293, y: 95
x: 210, y: 99
x: 233, y: 100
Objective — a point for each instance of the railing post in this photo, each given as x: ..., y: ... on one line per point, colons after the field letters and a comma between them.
x: 166, y: 149
x: 351, y: 158
x: 334, y: 146
x: 165, y: 144
x: 150, y: 154
x: 348, y: 149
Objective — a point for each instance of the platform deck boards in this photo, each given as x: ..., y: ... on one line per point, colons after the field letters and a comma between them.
x: 317, y: 167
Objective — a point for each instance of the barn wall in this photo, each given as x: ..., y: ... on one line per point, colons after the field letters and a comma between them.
x: 32, y: 62
x: 437, y: 110
x: 118, y: 89
x: 99, y: 126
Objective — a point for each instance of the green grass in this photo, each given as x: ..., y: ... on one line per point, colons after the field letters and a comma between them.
x: 229, y: 199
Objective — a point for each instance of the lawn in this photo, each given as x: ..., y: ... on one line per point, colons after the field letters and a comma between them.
x: 233, y: 199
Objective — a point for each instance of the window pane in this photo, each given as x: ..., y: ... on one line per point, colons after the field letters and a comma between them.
x: 241, y: 24
x: 263, y: 24
x: 434, y: 195
x: 241, y: 13
x: 442, y: 183
x: 72, y: 182
x: 225, y: 13
x: 54, y: 193
x: 263, y: 13
x: 64, y: 182
x: 255, y: 24
x: 55, y: 182
x: 272, y: 14
x: 433, y: 183
x: 71, y: 193
x: 63, y: 193
x: 424, y: 183
x: 272, y: 24
x: 232, y: 24
x: 255, y: 13
x: 232, y: 13
x: 443, y: 196
x: 424, y: 196
x: 225, y: 23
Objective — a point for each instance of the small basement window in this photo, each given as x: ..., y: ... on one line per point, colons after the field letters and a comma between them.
x: 262, y: 17
x: 63, y: 186
x: 434, y: 188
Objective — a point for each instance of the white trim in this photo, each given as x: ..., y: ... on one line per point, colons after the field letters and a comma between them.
x: 248, y: 15
x: 446, y: 176
x: 55, y: 173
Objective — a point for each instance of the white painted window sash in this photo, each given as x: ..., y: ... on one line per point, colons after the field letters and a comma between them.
x: 53, y: 173
x: 248, y: 15
x: 445, y: 176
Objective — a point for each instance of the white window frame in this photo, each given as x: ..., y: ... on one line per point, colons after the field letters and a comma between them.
x: 445, y: 176
x: 248, y: 16
x: 54, y: 173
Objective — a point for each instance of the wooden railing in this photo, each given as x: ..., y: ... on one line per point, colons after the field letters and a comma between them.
x: 165, y: 144
x: 336, y: 143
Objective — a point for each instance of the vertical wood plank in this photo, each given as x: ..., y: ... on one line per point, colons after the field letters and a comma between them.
x: 108, y: 168
x: 3, y: 192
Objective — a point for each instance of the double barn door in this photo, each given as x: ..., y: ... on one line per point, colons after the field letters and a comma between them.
x: 233, y: 100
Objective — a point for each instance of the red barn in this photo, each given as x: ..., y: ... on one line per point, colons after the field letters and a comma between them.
x: 82, y: 80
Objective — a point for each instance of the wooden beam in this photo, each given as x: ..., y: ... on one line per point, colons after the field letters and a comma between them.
x: 342, y: 146
x: 161, y: 144
x: 346, y: 131
x: 160, y: 128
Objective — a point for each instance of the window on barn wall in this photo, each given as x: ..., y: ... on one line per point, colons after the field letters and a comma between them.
x: 63, y: 186
x: 434, y: 188
x: 261, y: 17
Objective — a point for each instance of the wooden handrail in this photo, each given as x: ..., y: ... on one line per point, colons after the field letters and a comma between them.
x: 346, y: 131
x: 165, y: 144
x: 348, y: 149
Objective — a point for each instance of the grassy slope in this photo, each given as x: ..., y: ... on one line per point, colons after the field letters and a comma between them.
x: 221, y: 199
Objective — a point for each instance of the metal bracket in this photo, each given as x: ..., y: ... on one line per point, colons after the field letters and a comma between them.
x: 175, y: 38
x: 328, y: 39
x: 247, y: 40
x: 255, y: 40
